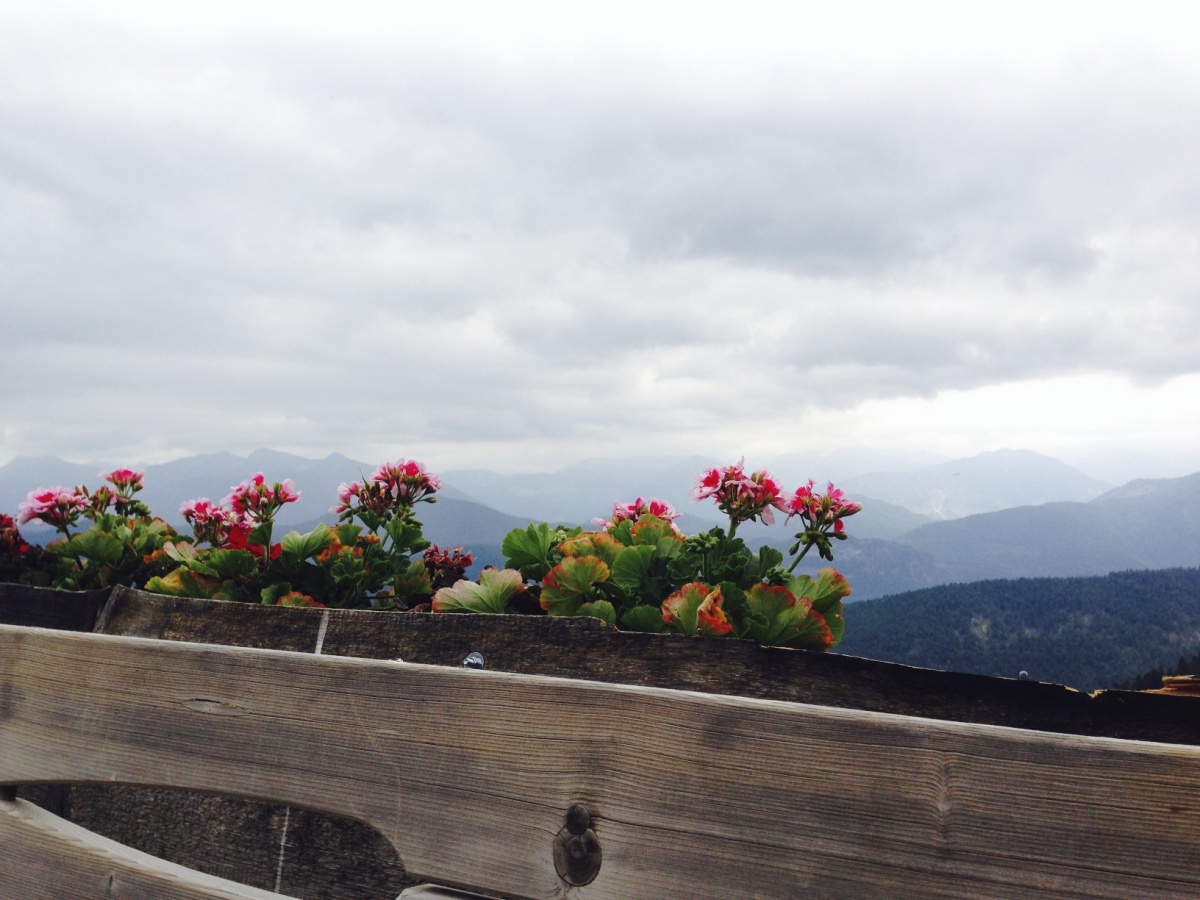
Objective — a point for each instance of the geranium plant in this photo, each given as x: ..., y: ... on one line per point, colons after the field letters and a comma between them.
x: 374, y: 556
x: 636, y: 570
x: 118, y: 547
x: 639, y: 572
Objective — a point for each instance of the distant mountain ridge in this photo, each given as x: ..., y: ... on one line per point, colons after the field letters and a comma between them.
x: 989, y: 482
x: 1089, y: 632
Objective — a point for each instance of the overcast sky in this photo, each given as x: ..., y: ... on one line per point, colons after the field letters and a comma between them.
x: 516, y: 235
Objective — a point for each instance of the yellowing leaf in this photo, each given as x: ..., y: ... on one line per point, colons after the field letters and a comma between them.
x: 571, y: 584
x: 695, y: 609
x: 490, y: 595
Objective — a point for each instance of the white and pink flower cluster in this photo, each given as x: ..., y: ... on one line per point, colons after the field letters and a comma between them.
x: 623, y: 512
x: 127, y: 481
x: 393, y: 485
x: 251, y: 503
x: 61, y: 507
x: 57, y: 506
x: 820, y: 511
x: 209, y: 521
x: 740, y: 496
x: 256, y: 501
x: 744, y: 497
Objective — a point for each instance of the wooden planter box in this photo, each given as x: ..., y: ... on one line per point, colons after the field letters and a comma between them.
x: 308, y: 855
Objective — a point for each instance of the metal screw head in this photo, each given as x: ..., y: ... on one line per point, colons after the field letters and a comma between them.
x: 474, y: 660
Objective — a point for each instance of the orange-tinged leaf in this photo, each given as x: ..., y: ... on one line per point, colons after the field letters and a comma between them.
x: 599, y: 544
x: 696, y: 609
x: 571, y: 584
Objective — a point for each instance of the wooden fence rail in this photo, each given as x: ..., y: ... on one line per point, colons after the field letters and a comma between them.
x: 538, y: 787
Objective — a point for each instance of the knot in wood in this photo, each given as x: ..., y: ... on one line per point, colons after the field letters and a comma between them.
x: 577, y: 855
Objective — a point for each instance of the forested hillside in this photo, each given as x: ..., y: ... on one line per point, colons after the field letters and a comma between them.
x: 1085, y: 632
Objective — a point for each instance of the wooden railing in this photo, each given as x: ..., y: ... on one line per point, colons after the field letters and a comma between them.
x: 531, y: 786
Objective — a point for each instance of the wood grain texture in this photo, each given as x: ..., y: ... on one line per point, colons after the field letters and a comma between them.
x: 47, y: 608
x: 469, y: 774
x: 585, y: 648
x: 44, y: 856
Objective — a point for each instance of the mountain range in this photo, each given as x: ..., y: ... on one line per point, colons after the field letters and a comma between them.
x: 1004, y: 514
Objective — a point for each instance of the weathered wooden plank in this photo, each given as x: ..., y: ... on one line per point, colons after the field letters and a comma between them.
x: 470, y: 775
x: 588, y: 649
x: 48, y: 608
x: 44, y: 856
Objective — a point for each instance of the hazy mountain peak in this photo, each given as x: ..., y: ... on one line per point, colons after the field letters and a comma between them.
x: 986, y: 482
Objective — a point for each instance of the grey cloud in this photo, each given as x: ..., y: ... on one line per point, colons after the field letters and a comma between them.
x: 324, y: 239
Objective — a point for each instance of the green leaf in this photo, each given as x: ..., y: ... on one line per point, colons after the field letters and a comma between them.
x: 260, y: 535
x: 651, y: 531
x: 273, y: 592
x: 182, y: 552
x: 406, y: 535
x: 413, y: 580
x: 768, y: 559
x: 815, y: 633
x: 825, y: 594
x: 774, y: 615
x: 183, y: 583
x: 495, y: 589
x: 696, y: 609
x: 347, y: 534
x: 96, y: 545
x: 644, y: 618
x: 571, y: 583
x: 529, y: 551
x: 228, y: 563
x: 306, y: 546
x: 599, y: 609
x: 631, y: 567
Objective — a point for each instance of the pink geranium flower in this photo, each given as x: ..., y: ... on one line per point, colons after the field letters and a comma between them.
x: 740, y: 496
x: 57, y: 506
x: 820, y: 511
x: 622, y: 512
x: 256, y: 501
x: 209, y: 522
x: 822, y: 516
x: 407, y: 481
x: 127, y: 481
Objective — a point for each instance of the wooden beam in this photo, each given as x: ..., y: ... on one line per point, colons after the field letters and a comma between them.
x: 579, y: 647
x: 470, y: 775
x: 47, y: 608
x: 45, y: 856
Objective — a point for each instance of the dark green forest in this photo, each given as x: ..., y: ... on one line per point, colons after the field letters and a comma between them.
x: 1090, y: 633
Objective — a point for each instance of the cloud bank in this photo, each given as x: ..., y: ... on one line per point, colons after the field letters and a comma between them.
x: 390, y: 243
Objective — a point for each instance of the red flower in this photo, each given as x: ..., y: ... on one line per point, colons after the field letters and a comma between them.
x: 11, y: 542
x: 238, y: 540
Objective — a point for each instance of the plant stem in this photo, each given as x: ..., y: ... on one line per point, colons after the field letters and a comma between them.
x: 792, y: 567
